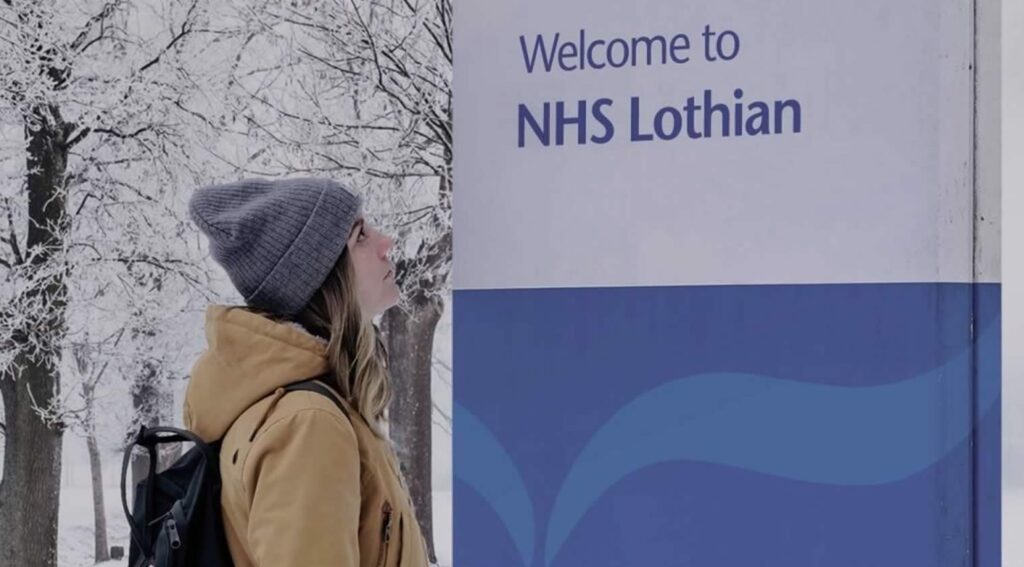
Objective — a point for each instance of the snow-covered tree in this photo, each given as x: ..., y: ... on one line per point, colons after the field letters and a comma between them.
x: 99, y: 135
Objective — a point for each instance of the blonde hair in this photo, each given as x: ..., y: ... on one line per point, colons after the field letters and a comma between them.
x: 356, y: 353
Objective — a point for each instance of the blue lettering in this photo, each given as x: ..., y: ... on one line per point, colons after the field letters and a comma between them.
x: 757, y: 123
x: 659, y: 123
x: 602, y: 118
x: 709, y: 109
x: 780, y: 106
x: 673, y: 47
x: 567, y: 51
x: 634, y: 121
x: 625, y: 52
x: 648, y: 44
x: 531, y: 59
x: 690, y: 110
x: 541, y: 132
x: 590, y: 54
x: 562, y: 120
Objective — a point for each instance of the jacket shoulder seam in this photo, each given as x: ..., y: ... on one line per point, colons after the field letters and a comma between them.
x: 334, y: 412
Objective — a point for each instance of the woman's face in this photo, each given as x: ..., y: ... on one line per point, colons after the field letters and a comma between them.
x: 374, y: 273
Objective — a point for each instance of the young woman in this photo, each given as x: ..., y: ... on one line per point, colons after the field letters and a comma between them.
x: 305, y: 482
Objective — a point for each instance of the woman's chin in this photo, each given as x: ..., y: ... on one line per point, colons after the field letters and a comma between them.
x: 391, y: 301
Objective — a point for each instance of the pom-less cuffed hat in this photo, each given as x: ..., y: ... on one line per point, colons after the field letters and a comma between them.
x: 277, y: 239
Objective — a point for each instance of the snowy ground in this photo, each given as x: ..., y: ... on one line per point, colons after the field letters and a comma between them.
x: 75, y: 545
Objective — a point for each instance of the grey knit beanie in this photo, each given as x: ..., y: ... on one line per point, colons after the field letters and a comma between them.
x: 276, y: 238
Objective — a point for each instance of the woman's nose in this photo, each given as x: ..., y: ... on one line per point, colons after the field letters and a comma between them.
x: 388, y: 243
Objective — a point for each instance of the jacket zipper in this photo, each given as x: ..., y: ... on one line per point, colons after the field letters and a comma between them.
x: 172, y: 533
x: 386, y: 536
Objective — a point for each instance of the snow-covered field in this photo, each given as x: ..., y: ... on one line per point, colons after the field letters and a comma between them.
x: 75, y: 544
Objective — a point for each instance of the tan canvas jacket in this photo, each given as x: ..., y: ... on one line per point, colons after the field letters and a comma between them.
x: 303, y: 484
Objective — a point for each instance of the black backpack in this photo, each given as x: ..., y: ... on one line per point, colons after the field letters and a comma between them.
x: 175, y: 519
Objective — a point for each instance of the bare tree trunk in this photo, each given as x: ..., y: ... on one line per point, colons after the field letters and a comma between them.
x: 410, y: 337
x: 98, y: 512
x: 99, y: 515
x: 30, y: 490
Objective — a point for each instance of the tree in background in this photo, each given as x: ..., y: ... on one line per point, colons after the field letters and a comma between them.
x: 84, y: 420
x: 95, y: 139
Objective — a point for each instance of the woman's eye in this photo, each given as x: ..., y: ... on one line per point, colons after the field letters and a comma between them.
x: 362, y: 234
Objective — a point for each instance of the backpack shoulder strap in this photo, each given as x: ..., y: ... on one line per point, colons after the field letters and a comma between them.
x: 314, y: 385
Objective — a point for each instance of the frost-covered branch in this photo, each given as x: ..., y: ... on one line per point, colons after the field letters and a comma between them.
x: 361, y: 90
